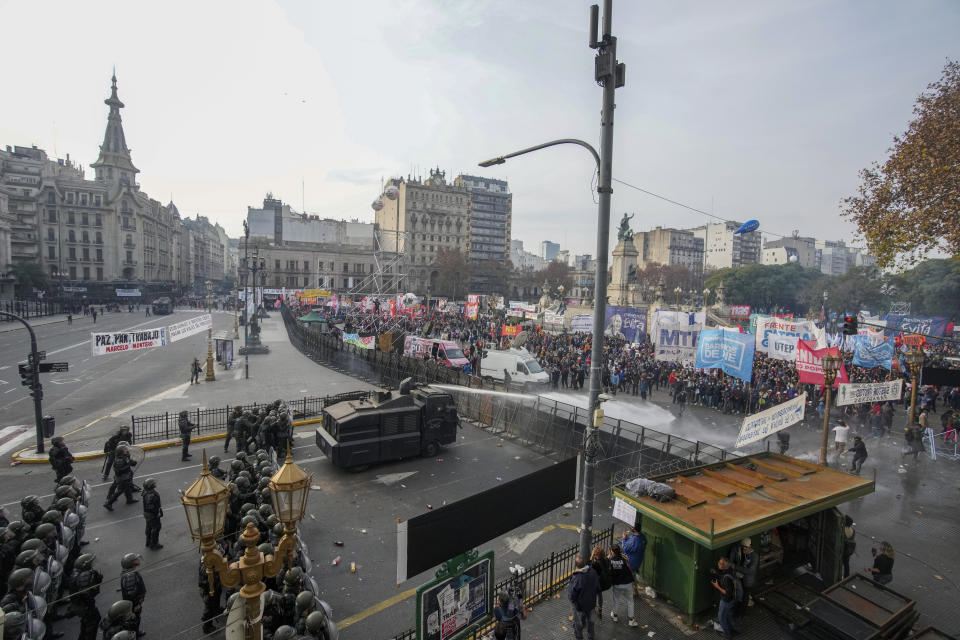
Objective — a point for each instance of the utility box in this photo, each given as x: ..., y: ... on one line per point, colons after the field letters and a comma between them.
x: 48, y: 424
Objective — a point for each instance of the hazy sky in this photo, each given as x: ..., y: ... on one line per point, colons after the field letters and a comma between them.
x: 749, y: 109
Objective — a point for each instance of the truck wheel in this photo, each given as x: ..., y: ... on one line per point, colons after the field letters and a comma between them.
x: 431, y: 449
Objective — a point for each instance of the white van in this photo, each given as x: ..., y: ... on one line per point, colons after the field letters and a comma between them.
x: 525, y: 371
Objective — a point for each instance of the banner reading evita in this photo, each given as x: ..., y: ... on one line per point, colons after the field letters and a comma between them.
x: 869, y: 392
x: 104, y: 343
x: 189, y: 327
x: 760, y: 425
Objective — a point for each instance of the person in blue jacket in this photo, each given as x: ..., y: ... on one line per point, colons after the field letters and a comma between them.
x: 634, y: 546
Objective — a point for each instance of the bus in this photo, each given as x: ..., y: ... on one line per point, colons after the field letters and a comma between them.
x: 162, y: 307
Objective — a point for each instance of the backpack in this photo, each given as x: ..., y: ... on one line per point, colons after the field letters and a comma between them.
x: 505, y: 629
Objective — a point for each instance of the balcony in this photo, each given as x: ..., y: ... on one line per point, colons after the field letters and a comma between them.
x: 130, y: 263
x: 129, y: 245
x: 128, y: 227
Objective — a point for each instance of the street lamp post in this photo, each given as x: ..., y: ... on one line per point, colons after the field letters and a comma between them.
x: 205, y: 504
x: 914, y: 358
x: 677, y: 291
x: 610, y: 74
x: 210, y: 377
x: 831, y: 364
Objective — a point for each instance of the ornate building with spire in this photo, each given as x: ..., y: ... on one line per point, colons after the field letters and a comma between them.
x: 92, y: 235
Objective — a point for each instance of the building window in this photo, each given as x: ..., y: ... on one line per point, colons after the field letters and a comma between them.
x: 85, y: 237
x: 276, y: 265
x: 346, y: 268
x: 99, y: 237
x: 320, y: 266
x: 84, y: 220
x: 86, y: 254
x: 97, y: 222
x: 50, y: 235
x: 73, y: 254
x: 51, y: 215
x: 129, y: 257
x: 86, y: 273
x: 346, y: 283
x: 306, y: 266
x: 99, y: 255
x: 71, y: 236
x: 373, y: 268
x: 306, y: 282
x: 70, y: 197
x: 124, y: 206
x: 99, y: 273
x: 51, y: 197
x: 70, y: 219
x: 73, y: 273
x: 333, y: 267
x: 51, y: 253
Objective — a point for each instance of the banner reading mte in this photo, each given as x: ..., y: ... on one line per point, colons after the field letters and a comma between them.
x: 760, y: 425
x: 869, y: 392
x: 189, y: 327
x: 104, y: 343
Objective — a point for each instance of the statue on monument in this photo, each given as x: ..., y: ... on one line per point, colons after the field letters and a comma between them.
x: 624, y: 232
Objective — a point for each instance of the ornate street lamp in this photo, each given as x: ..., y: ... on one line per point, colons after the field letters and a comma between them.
x: 678, y: 290
x: 831, y: 364
x: 210, y: 374
x: 915, y: 357
x: 205, y: 503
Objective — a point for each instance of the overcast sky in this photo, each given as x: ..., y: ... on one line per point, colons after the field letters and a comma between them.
x: 748, y: 109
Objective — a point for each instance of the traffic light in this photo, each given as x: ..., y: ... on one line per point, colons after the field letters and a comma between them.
x: 27, y: 377
x: 850, y: 325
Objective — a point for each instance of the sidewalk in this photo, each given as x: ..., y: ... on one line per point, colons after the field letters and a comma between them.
x: 13, y: 325
x: 283, y: 373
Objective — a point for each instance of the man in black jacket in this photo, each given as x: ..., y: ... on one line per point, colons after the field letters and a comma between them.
x: 859, y: 454
x: 110, y: 449
x: 152, y: 512
x: 582, y: 593
x: 185, y: 428
x: 122, y: 478
x: 132, y: 587
x: 60, y: 458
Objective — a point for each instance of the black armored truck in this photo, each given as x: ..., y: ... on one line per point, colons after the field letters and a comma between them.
x: 390, y: 425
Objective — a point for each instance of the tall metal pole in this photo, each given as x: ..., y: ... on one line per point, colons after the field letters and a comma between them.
x: 610, y: 74
x: 36, y: 389
x: 246, y: 304
x: 828, y: 381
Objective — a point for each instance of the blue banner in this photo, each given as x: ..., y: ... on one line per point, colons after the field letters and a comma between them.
x: 867, y: 354
x: 626, y: 322
x: 728, y: 350
x: 930, y: 326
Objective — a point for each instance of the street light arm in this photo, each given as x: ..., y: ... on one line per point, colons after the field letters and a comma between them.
x: 552, y: 143
x: 283, y: 553
x: 214, y: 562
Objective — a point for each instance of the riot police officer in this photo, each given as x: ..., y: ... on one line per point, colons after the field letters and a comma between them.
x: 233, y: 429
x: 122, y: 478
x: 212, y: 608
x: 120, y: 617
x: 60, y: 458
x: 132, y: 587
x: 30, y: 511
x: 320, y: 625
x: 215, y: 469
x: 110, y: 448
x: 186, y: 427
x: 84, y: 587
x: 152, y: 512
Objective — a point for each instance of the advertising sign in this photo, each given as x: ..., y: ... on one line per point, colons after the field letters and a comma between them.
x: 767, y: 422
x: 728, y: 350
x: 810, y: 364
x: 189, y: 327
x: 676, y: 342
x: 868, y: 354
x: 582, y: 322
x: 740, y: 311
x: 448, y: 606
x: 357, y: 341
x: 857, y: 393
x: 115, y: 342
x: 625, y: 322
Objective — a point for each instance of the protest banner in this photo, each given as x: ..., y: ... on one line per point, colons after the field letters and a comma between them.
x: 189, y: 327
x: 773, y: 336
x: 118, y: 341
x: 924, y: 325
x: 868, y: 354
x: 128, y: 293
x: 510, y: 330
x: 740, y: 311
x: 810, y: 364
x: 676, y: 342
x: 363, y: 343
x: 582, y: 322
x: 767, y: 422
x: 728, y: 350
x: 857, y: 393
x: 472, y: 307
x: 625, y: 322
x: 552, y: 318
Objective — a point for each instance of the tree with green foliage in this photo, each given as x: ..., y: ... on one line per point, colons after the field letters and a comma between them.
x: 28, y: 276
x: 932, y: 288
x: 860, y: 288
x: 910, y: 205
x: 766, y: 288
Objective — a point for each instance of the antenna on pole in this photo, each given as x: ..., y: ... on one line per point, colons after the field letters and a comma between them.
x: 594, y: 25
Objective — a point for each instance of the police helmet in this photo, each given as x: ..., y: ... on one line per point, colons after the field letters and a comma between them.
x: 85, y: 562
x: 27, y: 559
x: 57, y: 441
x: 317, y: 621
x: 244, y: 474
x: 278, y: 529
x: 20, y: 578
x: 248, y: 520
x: 242, y: 483
x: 64, y: 504
x: 45, y: 530
x: 15, y: 622
x: 215, y: 461
x: 68, y: 480
x: 285, y: 632
x: 241, y: 455
x: 122, y: 450
x: 51, y: 517
x: 262, y: 453
x: 305, y: 601
x: 33, y: 544
x: 272, y: 521
x: 150, y: 483
x: 236, y: 466
x: 130, y: 560
x: 119, y: 610
x: 293, y: 576
x: 124, y: 635
x: 29, y: 501
x: 16, y: 527
x: 253, y: 513
x: 63, y: 491
x: 265, y: 511
x: 263, y: 483
x: 265, y: 548
x: 246, y: 508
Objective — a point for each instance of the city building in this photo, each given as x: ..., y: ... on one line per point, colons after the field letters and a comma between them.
x: 302, y: 251
x: 723, y: 248
x: 800, y: 250
x: 491, y: 212
x: 425, y: 217
x: 549, y: 250
x: 523, y: 260
x: 669, y: 247
x: 94, y: 235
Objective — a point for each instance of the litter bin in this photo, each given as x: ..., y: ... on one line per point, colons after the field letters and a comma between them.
x: 48, y: 424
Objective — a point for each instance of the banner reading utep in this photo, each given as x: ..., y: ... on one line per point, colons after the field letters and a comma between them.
x: 869, y: 392
x: 776, y: 337
x: 728, y: 350
x: 810, y: 364
x: 115, y: 342
x: 189, y: 327
x: 767, y: 422
x: 625, y: 322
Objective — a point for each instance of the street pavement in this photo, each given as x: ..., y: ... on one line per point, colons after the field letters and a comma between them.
x: 914, y: 508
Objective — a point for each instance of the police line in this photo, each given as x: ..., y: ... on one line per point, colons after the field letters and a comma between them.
x: 123, y: 341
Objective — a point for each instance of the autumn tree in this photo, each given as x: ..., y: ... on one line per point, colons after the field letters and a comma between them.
x: 910, y: 205
x: 453, y: 273
x: 28, y: 276
x: 555, y: 273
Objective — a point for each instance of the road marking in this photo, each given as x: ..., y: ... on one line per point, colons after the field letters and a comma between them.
x: 11, y: 437
x: 519, y: 544
x: 14, y: 389
x: 388, y: 479
x: 377, y: 608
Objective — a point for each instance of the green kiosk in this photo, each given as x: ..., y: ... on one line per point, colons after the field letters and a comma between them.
x: 787, y: 507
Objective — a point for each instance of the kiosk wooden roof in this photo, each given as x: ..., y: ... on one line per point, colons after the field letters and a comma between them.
x: 719, y: 503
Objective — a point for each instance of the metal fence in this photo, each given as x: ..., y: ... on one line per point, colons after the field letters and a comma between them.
x: 164, y: 426
x: 33, y: 308
x: 540, y: 580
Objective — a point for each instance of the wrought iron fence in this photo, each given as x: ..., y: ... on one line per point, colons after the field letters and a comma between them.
x: 539, y: 581
x: 164, y: 426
